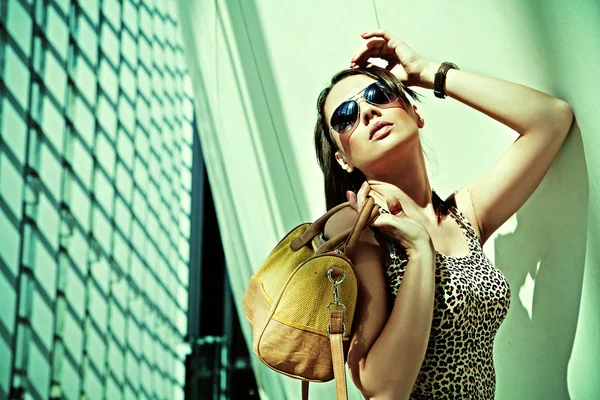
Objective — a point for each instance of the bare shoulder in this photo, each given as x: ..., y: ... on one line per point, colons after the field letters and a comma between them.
x: 464, y: 202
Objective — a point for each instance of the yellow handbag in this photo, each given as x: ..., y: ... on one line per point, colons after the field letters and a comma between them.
x: 301, y: 301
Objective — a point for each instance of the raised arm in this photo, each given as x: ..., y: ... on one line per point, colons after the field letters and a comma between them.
x: 387, y: 350
x: 542, y: 122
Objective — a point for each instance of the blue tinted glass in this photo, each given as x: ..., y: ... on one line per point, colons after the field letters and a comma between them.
x: 344, y: 116
x: 379, y: 93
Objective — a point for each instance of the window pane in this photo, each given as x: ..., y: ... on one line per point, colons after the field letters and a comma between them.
x: 108, y: 80
x: 16, y: 77
x: 53, y: 124
x: 11, y: 185
x: 7, y: 311
x: 85, y: 79
x: 57, y: 32
x: 102, y: 229
x: 124, y: 182
x: 19, y: 26
x: 125, y: 148
x: 42, y: 320
x: 47, y: 221
x: 87, y: 39
x: 110, y: 44
x: 50, y: 171
x: 112, y: 12
x: 97, y: 307
x: 129, y: 50
x: 105, y: 154
x: 73, y: 336
x: 83, y: 120
x: 14, y: 130
x: 45, y: 269
x: 127, y: 115
x: 55, y: 78
x: 107, y: 117
x: 38, y: 371
x: 91, y: 9
x: 70, y: 381
x: 80, y: 205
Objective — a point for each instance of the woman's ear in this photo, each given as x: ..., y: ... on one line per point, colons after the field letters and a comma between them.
x: 345, y: 166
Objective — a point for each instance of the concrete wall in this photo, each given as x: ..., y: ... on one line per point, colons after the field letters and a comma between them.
x: 257, y: 67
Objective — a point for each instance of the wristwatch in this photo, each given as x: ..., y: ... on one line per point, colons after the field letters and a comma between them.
x: 440, y: 78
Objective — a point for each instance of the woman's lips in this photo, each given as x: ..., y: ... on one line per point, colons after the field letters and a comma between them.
x: 381, y: 132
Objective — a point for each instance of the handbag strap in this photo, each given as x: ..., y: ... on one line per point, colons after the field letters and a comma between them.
x: 368, y: 213
x: 305, y: 390
x: 316, y: 227
x: 337, y: 353
x: 336, y: 324
x: 350, y: 237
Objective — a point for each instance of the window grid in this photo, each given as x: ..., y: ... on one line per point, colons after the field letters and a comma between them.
x: 72, y: 173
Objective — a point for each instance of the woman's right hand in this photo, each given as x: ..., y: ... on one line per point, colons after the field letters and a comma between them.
x: 397, y: 226
x: 403, y: 61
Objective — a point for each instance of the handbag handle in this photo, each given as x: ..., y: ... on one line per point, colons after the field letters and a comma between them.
x: 315, y: 228
x: 367, y: 215
x: 350, y: 237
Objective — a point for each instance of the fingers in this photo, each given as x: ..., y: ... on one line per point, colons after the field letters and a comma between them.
x: 352, y: 200
x: 362, y: 194
x: 378, y: 33
x: 357, y: 200
x: 393, y: 204
x: 372, y: 48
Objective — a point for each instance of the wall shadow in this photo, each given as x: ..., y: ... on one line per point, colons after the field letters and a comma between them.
x: 532, y: 355
x: 265, y: 102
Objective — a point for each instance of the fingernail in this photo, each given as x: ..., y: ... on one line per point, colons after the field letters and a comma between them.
x: 348, y: 194
x: 363, y: 185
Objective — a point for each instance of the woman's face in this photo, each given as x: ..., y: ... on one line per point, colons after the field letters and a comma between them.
x: 359, y: 149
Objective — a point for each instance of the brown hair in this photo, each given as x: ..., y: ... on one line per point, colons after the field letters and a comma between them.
x: 336, y: 180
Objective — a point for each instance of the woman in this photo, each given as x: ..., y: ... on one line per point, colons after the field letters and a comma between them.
x: 430, y: 301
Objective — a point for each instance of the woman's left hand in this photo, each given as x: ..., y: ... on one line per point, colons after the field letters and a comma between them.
x: 403, y: 61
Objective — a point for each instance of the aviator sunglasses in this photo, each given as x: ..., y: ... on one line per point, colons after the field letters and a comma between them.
x: 346, y: 116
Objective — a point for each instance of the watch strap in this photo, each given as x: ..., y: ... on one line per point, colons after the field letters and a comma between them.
x: 440, y: 79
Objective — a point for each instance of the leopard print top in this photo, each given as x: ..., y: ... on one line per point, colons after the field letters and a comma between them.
x: 472, y: 298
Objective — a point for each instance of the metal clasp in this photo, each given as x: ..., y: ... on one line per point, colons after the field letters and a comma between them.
x: 336, y: 299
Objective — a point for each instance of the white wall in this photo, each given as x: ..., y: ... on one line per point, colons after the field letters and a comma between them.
x: 257, y: 67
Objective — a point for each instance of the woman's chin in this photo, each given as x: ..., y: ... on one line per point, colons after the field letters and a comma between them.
x: 393, y: 140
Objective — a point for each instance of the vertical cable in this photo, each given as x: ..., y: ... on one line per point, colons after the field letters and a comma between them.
x: 376, y: 15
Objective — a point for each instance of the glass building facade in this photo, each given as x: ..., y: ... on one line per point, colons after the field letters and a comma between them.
x: 96, y: 137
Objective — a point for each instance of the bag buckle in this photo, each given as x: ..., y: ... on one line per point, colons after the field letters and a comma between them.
x: 336, y: 299
x: 343, y: 330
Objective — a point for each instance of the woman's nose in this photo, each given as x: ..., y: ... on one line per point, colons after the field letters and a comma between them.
x: 367, y: 110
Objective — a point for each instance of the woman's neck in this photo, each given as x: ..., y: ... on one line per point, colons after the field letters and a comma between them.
x: 409, y: 183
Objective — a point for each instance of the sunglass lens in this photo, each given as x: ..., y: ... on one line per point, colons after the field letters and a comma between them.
x: 379, y: 93
x: 344, y: 117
